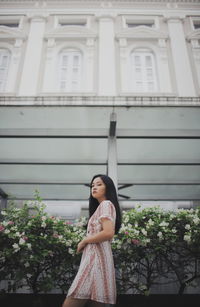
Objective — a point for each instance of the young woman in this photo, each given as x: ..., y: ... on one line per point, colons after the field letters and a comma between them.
x: 95, y: 281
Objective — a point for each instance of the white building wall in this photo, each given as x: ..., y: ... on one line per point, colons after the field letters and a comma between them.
x: 107, y: 41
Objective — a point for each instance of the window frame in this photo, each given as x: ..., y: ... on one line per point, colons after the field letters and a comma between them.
x: 142, y: 69
x: 9, y: 21
x: 141, y: 21
x: 72, y: 21
x: 70, y: 53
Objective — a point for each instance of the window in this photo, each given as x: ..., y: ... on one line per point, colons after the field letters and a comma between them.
x: 72, y: 23
x: 70, y: 64
x: 133, y: 24
x: 9, y: 24
x: 143, y: 72
x: 196, y: 24
x: 4, y: 65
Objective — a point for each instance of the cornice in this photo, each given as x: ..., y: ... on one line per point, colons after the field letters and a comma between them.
x: 95, y: 101
x: 104, y: 3
x: 141, y: 32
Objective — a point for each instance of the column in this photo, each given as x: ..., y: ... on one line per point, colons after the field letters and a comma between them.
x: 183, y: 72
x: 32, y: 61
x: 49, y: 84
x: 14, y: 65
x: 107, y: 73
x: 112, y: 150
x: 163, y: 71
x: 124, y: 73
x: 89, y: 77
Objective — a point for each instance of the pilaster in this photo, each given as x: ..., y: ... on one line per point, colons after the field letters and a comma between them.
x: 107, y: 73
x: 32, y: 61
x: 182, y: 67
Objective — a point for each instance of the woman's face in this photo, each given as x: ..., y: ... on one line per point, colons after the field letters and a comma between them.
x: 98, y: 189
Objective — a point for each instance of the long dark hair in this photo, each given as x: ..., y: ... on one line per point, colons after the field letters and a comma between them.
x: 111, y: 195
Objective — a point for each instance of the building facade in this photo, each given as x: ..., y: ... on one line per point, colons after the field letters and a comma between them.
x: 65, y: 48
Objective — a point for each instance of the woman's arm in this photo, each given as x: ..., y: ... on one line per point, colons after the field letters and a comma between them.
x: 106, y: 234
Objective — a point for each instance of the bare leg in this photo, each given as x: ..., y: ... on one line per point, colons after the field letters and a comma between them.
x: 96, y: 304
x: 74, y: 302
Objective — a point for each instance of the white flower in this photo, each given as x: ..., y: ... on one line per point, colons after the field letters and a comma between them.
x: 126, y: 220
x: 16, y: 247
x: 43, y: 218
x: 21, y: 241
x: 174, y: 230
x: 144, y: 232
x: 3, y: 212
x: 196, y: 220
x: 68, y: 243
x: 187, y: 226
x: 150, y: 222
x: 70, y: 250
x: 17, y: 234
x: 43, y: 224
x: 187, y: 238
x: 160, y: 234
x: 28, y: 275
x: 163, y: 224
x: 26, y: 264
x: 4, y: 223
x: 29, y: 246
x: 7, y: 231
x: 136, y: 232
x: 16, y: 209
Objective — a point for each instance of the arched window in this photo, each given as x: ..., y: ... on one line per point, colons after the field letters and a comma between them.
x: 4, y: 66
x: 70, y: 69
x: 143, y: 71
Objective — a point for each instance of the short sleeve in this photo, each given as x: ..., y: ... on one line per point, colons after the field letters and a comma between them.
x: 107, y: 210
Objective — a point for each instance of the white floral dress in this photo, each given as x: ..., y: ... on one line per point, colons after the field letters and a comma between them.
x: 95, y: 279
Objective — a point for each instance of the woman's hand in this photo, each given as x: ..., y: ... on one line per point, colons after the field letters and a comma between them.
x: 81, y: 245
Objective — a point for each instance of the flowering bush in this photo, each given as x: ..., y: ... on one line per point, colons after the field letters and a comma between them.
x: 154, y: 243
x: 39, y: 251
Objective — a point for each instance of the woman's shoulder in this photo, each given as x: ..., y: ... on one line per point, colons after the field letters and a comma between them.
x: 106, y: 203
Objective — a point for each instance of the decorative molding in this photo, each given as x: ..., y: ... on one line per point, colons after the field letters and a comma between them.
x: 194, y: 35
x: 174, y: 16
x: 37, y: 17
x: 141, y: 32
x: 104, y: 3
x: 9, y: 33
x: 70, y: 32
x: 106, y: 16
x: 94, y: 101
